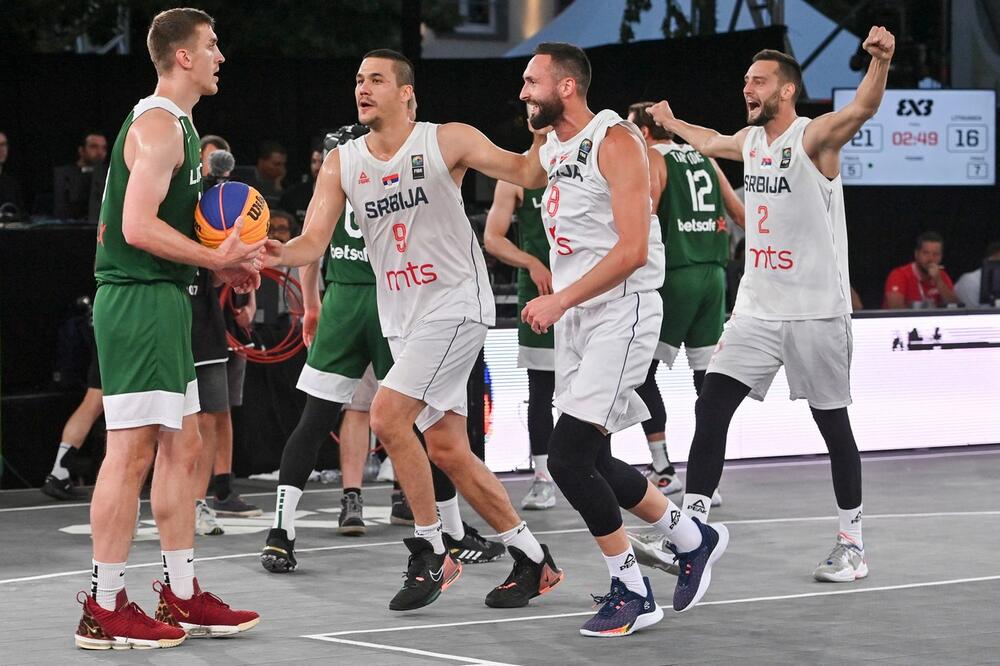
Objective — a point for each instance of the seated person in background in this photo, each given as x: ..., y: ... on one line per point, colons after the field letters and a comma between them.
x: 968, y: 286
x: 79, y: 187
x: 272, y: 162
x: 923, y: 280
x: 295, y: 199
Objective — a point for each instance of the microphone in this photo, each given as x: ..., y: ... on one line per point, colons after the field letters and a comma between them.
x: 221, y: 163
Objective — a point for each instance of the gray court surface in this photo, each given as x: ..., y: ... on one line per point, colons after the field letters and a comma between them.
x: 932, y: 531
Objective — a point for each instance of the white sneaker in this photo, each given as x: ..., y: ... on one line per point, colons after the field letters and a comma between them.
x: 651, y: 550
x: 205, y: 521
x: 668, y: 484
x: 716, y: 498
x: 846, y: 563
x: 385, y: 471
x: 541, y: 496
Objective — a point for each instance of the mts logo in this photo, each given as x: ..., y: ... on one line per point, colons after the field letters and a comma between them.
x: 914, y: 107
x: 776, y: 260
x: 412, y: 275
x: 561, y: 242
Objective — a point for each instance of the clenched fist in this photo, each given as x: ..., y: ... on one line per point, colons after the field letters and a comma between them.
x: 661, y: 113
x: 880, y: 43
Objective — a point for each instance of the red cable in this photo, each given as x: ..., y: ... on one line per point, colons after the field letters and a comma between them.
x: 292, y: 343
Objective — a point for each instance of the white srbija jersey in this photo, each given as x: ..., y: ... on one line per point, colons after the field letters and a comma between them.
x: 796, y: 232
x: 577, y: 212
x: 426, y: 258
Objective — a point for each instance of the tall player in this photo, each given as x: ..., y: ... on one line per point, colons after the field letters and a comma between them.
x: 607, y: 263
x: 535, y: 350
x: 794, y: 300
x: 690, y: 196
x: 146, y: 258
x: 435, y: 304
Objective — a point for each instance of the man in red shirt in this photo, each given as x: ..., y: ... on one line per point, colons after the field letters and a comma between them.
x: 923, y: 280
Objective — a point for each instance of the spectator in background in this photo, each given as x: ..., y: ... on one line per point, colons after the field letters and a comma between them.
x: 296, y: 198
x: 923, y: 281
x: 79, y: 187
x: 10, y: 187
x: 209, y: 144
x: 968, y: 286
x: 272, y: 162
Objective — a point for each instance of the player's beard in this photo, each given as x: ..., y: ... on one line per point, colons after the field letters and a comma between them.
x: 768, y: 110
x: 548, y: 112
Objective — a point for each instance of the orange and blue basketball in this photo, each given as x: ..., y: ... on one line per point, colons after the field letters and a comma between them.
x: 222, y: 205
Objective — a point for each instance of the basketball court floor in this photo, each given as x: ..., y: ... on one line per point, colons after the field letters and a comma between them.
x: 932, y: 532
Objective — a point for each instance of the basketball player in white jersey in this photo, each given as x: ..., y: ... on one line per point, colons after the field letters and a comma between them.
x: 794, y: 301
x: 435, y: 304
x: 607, y: 263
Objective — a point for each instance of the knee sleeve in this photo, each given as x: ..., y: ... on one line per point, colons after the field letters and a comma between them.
x: 299, y: 457
x: 713, y: 411
x: 541, y: 386
x: 628, y: 483
x: 574, y: 449
x: 650, y: 394
x: 845, y: 461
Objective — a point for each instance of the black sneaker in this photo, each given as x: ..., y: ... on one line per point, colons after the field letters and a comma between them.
x: 234, y: 507
x: 278, y: 555
x: 526, y: 581
x: 473, y: 548
x: 696, y: 566
x: 351, y: 522
x: 427, y: 576
x: 60, y: 489
x: 401, y: 513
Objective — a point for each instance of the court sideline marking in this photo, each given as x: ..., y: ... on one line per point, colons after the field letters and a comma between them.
x: 379, y: 544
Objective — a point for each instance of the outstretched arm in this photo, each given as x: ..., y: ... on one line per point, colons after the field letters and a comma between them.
x: 464, y: 145
x: 505, y: 199
x: 706, y: 141
x: 322, y: 215
x: 827, y: 134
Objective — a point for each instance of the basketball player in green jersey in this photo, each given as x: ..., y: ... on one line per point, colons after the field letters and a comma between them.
x: 691, y: 197
x: 535, y: 351
x: 146, y: 258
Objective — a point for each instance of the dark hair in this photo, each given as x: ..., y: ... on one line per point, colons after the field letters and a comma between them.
x: 992, y: 248
x: 266, y: 148
x: 170, y: 29
x: 570, y: 60
x: 643, y: 119
x: 401, y: 65
x: 215, y: 140
x: 788, y: 68
x: 928, y: 237
x: 83, y: 137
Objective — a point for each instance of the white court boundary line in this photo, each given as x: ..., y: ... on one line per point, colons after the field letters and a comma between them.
x: 423, y: 653
x: 381, y: 544
x: 723, y: 602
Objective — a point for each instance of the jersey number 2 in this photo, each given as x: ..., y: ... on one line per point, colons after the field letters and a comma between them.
x: 761, y: 229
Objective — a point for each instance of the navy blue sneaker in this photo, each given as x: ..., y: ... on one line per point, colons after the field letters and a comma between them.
x: 622, y: 612
x: 695, y: 573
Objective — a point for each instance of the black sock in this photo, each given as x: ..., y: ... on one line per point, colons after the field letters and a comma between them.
x: 353, y: 490
x: 221, y: 485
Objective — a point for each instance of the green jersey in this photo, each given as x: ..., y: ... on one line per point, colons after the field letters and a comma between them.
x: 121, y: 263
x: 531, y: 238
x: 348, y: 262
x: 691, y: 212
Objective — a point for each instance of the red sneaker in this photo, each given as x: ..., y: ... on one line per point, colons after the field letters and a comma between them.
x: 123, y: 628
x: 204, y: 614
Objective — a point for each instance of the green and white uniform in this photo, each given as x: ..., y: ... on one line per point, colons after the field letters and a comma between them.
x: 348, y: 336
x: 142, y: 312
x: 693, y: 225
x: 535, y: 351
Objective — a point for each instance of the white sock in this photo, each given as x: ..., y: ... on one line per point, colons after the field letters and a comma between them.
x: 541, y: 465
x: 625, y: 568
x: 432, y: 533
x: 451, y: 518
x: 697, y: 505
x: 58, y: 470
x: 106, y: 582
x: 520, y: 537
x: 284, y: 509
x: 679, y: 528
x: 178, y: 571
x: 658, y: 449
x: 850, y: 524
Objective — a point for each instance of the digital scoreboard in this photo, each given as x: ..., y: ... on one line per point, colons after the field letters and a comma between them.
x: 923, y: 137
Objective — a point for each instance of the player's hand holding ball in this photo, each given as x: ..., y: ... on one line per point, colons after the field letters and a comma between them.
x: 880, y: 43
